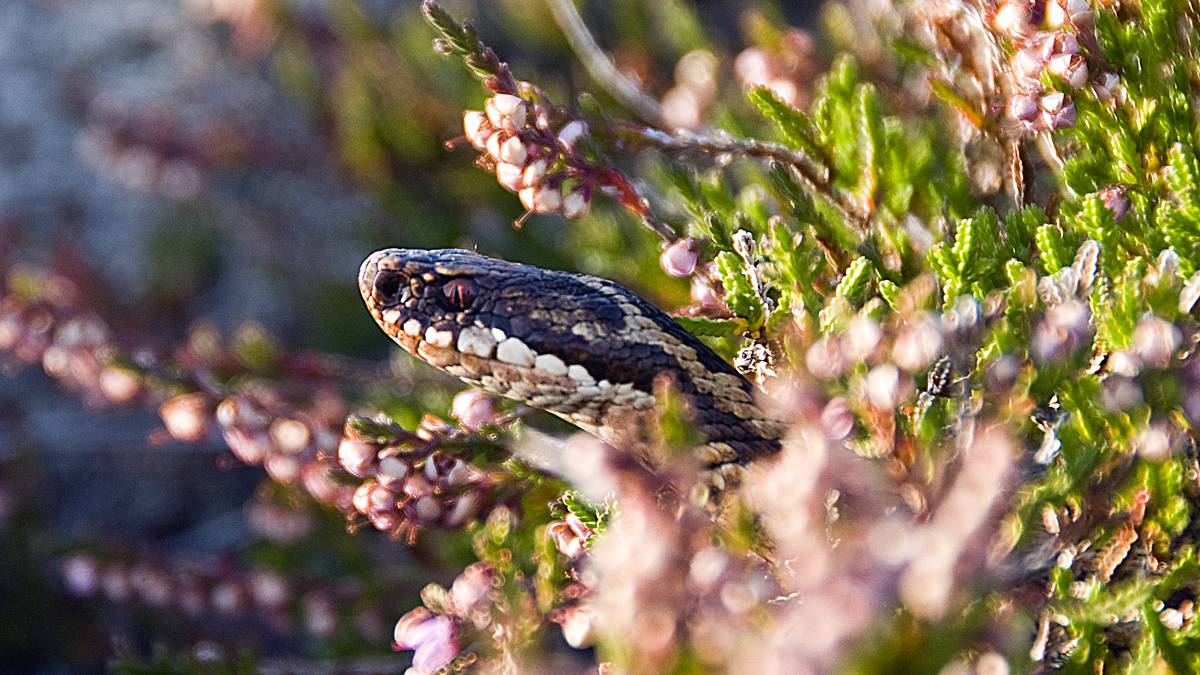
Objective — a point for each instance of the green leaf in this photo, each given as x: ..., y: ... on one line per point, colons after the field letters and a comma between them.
x: 705, y: 327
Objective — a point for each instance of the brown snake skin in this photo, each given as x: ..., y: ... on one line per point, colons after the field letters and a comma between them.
x: 581, y: 347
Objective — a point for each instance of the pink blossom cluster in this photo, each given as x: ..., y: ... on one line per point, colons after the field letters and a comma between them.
x: 787, y: 69
x: 544, y: 166
x: 203, y: 590
x: 411, y: 484
x: 436, y: 634
x: 1045, y: 35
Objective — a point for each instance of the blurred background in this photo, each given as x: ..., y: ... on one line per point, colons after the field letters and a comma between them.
x: 194, y: 172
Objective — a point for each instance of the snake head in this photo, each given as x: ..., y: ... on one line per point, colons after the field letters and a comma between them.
x: 417, y: 295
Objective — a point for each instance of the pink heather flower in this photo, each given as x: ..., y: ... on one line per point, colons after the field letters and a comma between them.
x: 186, y: 417
x: 473, y: 408
x: 471, y: 589
x: 837, y: 420
x: 356, y: 457
x: 1012, y: 18
x: 432, y: 637
x: 513, y: 151
x: 81, y: 575
x: 291, y: 436
x: 119, y: 385
x: 566, y: 540
x: 1070, y: 67
x: 1105, y: 85
x: 578, y: 627
x: 493, y: 143
x: 541, y: 198
x: 1156, y: 340
x: 510, y: 175
x: 679, y: 259
x: 1023, y: 107
x: 477, y: 128
x: 576, y: 204
x: 362, y: 497
x: 534, y: 171
x: 1115, y: 199
x: 570, y: 134
x: 707, y: 298
x: 392, y: 472
x: 506, y: 111
x: 1056, y: 16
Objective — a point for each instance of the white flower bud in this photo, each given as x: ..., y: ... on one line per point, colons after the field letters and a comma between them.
x: 507, y: 111
x: 1052, y: 102
x: 392, y: 471
x: 534, y: 172
x: 679, y: 259
x: 513, y: 151
x: 571, y: 133
x: 493, y: 144
x: 548, y: 199
x: 576, y: 205
x: 1056, y: 16
x: 477, y: 128
x: 1028, y: 62
x: 362, y: 497
x: 356, y: 457
x: 509, y: 175
x: 1023, y: 107
x: 1078, y: 10
x: 1013, y: 19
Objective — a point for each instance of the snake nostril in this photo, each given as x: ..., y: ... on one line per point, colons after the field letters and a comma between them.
x: 388, y: 284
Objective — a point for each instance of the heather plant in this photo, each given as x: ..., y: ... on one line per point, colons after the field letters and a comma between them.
x: 956, y: 247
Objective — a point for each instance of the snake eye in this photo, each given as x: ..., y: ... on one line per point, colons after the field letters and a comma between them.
x: 388, y: 285
x: 459, y: 294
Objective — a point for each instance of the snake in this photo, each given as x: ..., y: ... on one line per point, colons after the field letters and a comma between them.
x: 580, y: 347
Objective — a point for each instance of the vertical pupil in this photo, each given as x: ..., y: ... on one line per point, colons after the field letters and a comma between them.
x: 458, y: 292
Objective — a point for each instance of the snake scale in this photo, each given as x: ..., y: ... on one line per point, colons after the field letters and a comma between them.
x: 581, y: 347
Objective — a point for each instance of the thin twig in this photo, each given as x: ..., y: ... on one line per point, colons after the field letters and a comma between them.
x: 809, y: 170
x: 601, y: 67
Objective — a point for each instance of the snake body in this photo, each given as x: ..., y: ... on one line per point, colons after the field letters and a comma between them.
x: 581, y: 347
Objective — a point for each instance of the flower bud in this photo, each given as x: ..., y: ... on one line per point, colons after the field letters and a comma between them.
x: 578, y: 628
x: 506, y: 111
x: 477, y: 128
x: 679, y: 259
x: 392, y: 472
x: 1012, y: 19
x: 509, y: 175
x: 186, y: 417
x: 1062, y: 118
x: 542, y: 198
x: 1115, y: 200
x: 1028, y: 62
x: 290, y: 436
x: 1055, y: 16
x: 356, y: 457
x: 706, y: 297
x: 565, y: 539
x: 576, y: 204
x: 493, y: 144
x: 1156, y: 340
x: 534, y: 172
x: 571, y: 133
x: 473, y: 408
x: 464, y: 509
x: 362, y: 497
x: 513, y: 151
